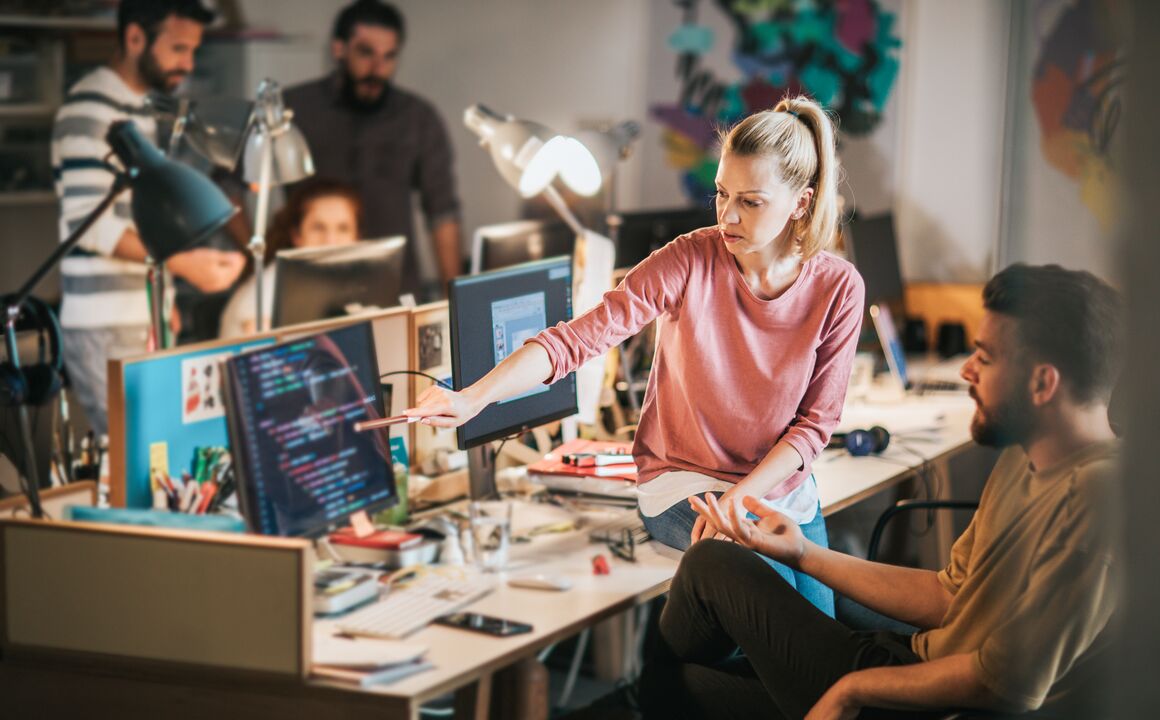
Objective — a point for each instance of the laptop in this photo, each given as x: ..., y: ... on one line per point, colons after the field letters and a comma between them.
x: 896, y: 356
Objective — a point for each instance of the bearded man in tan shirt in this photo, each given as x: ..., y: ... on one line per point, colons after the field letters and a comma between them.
x: 1017, y: 619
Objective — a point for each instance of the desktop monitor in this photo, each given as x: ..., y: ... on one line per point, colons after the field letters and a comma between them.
x: 291, y: 410
x: 317, y: 283
x: 874, y: 251
x: 640, y: 233
x: 499, y: 246
x: 492, y: 314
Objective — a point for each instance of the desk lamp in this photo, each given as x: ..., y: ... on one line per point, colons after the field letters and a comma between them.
x: 173, y: 206
x: 276, y: 153
x: 214, y: 127
x: 608, y: 147
x: 529, y: 156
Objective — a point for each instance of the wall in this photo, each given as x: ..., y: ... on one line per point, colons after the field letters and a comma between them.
x: 950, y: 164
x: 569, y: 64
x: 563, y: 64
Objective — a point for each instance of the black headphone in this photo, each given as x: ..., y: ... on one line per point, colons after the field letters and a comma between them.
x: 862, y: 442
x: 34, y: 384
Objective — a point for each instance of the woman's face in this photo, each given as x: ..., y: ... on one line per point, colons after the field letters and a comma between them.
x: 755, y: 208
x: 328, y: 221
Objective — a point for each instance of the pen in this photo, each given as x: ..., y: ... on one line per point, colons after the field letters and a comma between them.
x: 364, y: 425
x: 209, y: 490
x: 188, y: 497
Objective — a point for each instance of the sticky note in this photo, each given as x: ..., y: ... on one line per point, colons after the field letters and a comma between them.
x: 158, y: 458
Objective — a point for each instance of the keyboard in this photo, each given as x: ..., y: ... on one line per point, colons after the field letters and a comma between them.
x: 925, y: 386
x: 409, y: 608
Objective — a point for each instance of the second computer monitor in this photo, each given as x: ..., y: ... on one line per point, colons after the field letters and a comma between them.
x: 507, y: 244
x: 320, y: 282
x: 292, y: 407
x: 492, y: 314
x: 873, y: 248
x: 639, y: 233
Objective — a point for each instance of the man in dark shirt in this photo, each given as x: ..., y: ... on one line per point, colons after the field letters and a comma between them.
x: 384, y: 140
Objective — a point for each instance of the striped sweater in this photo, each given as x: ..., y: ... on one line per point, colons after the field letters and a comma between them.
x: 98, y: 290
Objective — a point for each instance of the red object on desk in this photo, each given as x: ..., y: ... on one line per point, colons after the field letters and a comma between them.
x: 380, y: 540
x: 600, y: 565
x: 553, y: 463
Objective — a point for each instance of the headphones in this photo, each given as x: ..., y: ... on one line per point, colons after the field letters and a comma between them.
x: 34, y: 384
x: 862, y: 442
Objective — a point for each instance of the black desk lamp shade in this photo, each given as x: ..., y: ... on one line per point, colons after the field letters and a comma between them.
x: 174, y: 206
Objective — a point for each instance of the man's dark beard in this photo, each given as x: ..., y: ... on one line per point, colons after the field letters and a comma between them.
x: 351, y: 97
x: 1006, y: 424
x: 156, y: 78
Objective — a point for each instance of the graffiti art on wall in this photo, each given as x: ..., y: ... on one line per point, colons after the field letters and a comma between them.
x: 1075, y: 92
x: 843, y: 53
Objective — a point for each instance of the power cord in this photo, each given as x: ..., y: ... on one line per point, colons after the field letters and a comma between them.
x: 432, y: 378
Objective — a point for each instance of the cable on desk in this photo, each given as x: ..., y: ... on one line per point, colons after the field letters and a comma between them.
x: 432, y: 378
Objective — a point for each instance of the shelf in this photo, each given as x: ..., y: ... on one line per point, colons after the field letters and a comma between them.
x: 26, y: 110
x: 57, y: 22
x: 27, y: 197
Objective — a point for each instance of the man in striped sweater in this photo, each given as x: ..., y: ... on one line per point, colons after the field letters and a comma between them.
x: 105, y: 311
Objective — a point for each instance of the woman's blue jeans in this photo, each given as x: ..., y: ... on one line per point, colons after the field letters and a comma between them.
x: 674, y: 526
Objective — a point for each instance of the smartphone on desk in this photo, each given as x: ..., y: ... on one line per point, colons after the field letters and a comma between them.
x: 483, y: 624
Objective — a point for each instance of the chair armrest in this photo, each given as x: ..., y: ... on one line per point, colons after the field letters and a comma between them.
x: 906, y: 506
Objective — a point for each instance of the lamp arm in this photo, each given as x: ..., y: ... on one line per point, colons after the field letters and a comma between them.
x: 120, y: 184
x: 557, y: 203
x: 258, y: 241
x: 13, y: 303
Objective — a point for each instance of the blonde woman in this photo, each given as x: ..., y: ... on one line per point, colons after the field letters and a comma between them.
x: 757, y: 327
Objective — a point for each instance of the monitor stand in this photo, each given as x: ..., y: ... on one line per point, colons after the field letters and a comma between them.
x: 481, y: 472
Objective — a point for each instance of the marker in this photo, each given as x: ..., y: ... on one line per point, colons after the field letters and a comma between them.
x: 364, y: 425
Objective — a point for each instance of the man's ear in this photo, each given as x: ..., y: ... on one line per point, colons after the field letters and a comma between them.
x: 338, y: 49
x: 136, y: 40
x: 1044, y: 383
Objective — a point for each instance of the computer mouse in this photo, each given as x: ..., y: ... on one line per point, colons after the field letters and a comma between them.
x: 541, y: 582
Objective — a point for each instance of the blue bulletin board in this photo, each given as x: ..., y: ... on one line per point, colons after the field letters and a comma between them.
x: 177, y: 400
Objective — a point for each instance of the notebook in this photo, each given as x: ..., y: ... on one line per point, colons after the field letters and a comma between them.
x: 896, y: 356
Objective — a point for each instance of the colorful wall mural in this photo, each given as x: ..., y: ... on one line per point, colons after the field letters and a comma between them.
x: 1076, y: 96
x: 843, y: 53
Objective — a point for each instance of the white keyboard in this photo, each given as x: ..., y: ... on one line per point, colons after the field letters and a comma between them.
x: 407, y: 609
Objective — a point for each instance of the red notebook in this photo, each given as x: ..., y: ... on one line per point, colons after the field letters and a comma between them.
x: 553, y: 463
x: 380, y: 540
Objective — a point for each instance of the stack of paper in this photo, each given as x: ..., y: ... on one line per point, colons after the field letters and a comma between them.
x: 366, y: 661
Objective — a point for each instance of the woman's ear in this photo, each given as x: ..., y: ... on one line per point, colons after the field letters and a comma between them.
x: 803, y: 203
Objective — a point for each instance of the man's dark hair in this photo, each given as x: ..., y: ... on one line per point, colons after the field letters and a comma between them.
x: 1068, y: 318
x: 149, y: 14
x: 368, y: 12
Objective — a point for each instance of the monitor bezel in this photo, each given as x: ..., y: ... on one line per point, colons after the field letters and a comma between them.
x: 462, y: 441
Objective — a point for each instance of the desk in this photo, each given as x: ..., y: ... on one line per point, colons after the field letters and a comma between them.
x: 464, y: 662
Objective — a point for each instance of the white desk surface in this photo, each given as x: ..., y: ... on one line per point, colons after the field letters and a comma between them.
x: 844, y: 480
x: 461, y: 657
